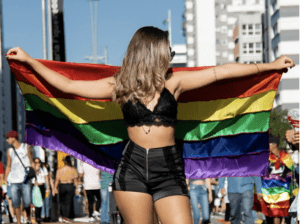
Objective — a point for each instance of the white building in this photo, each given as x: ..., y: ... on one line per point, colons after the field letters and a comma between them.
x: 180, y: 58
x: 247, y: 36
x: 227, y: 14
x: 200, y: 33
x: 281, y: 37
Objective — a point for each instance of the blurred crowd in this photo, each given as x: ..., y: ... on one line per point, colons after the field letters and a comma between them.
x: 37, y: 195
x: 270, y: 199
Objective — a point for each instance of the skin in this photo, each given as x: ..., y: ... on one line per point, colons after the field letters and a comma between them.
x: 292, y: 136
x: 61, y: 173
x: 138, y: 207
x: 14, y: 142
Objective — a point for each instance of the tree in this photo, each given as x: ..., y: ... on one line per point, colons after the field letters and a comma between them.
x: 279, y: 124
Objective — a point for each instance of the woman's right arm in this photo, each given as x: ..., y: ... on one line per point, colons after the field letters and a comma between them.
x: 97, y: 89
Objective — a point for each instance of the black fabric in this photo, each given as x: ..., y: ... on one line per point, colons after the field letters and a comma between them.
x: 91, y: 194
x: 54, y: 211
x: 66, y: 200
x: 164, y: 113
x: 227, y: 212
x: 157, y: 171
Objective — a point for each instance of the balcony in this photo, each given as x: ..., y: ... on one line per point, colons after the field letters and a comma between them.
x: 275, y: 17
x: 275, y: 41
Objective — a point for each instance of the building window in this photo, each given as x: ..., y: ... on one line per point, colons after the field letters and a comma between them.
x: 225, y: 54
x: 191, y: 52
x: 245, y: 46
x: 250, y: 45
x: 190, y: 40
x: 189, y: 28
x: 224, y: 29
x: 189, y: 16
x: 244, y: 26
x: 224, y: 42
x: 250, y: 29
x: 223, y: 18
x: 258, y: 45
x: 189, y: 5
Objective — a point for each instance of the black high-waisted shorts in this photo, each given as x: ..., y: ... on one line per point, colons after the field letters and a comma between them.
x: 157, y: 171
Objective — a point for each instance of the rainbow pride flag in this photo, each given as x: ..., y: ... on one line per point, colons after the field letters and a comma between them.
x: 222, y: 127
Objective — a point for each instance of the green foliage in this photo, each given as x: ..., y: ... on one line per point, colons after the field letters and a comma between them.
x: 279, y: 125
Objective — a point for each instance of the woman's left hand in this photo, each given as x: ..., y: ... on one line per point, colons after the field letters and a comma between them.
x: 283, y: 63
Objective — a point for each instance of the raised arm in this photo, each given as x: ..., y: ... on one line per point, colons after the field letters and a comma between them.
x: 188, y: 80
x: 98, y: 89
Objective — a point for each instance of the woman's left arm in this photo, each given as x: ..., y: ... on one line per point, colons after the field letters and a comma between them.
x: 189, y: 80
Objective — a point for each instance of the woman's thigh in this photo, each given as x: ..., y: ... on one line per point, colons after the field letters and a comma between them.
x: 174, y: 210
x: 135, y: 207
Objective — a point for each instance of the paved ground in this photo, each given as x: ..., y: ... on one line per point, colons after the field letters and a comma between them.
x: 215, y: 219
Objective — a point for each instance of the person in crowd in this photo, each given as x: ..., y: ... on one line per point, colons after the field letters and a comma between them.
x: 226, y: 201
x: 200, y: 193
x: 148, y: 97
x: 47, y: 201
x: 16, y: 172
x: 240, y: 195
x: 292, y: 137
x: 65, y: 183
x: 40, y: 181
x: 214, y: 184
x: 106, y: 179
x: 276, y: 185
x: 91, y: 181
x: 2, y: 172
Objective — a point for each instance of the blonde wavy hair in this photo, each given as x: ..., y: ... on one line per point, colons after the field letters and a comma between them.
x: 144, y: 68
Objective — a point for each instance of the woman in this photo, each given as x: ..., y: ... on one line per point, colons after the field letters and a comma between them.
x: 151, y: 172
x: 40, y: 181
x: 66, y: 178
x: 198, y: 193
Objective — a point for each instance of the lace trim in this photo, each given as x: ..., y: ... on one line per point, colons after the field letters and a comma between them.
x: 156, y: 121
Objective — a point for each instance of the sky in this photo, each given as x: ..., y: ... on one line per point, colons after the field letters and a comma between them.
x: 117, y: 22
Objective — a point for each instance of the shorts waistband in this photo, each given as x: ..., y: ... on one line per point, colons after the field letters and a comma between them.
x: 140, y: 147
x: 159, y: 151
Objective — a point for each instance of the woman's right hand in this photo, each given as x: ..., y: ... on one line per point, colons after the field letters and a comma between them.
x: 18, y: 54
x: 283, y: 63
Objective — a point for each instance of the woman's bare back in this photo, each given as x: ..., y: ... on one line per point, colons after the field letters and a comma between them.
x: 67, y: 175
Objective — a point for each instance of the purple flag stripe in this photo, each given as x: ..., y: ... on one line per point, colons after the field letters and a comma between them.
x: 227, y: 166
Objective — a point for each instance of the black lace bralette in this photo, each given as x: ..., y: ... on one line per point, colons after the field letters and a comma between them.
x: 164, y: 113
